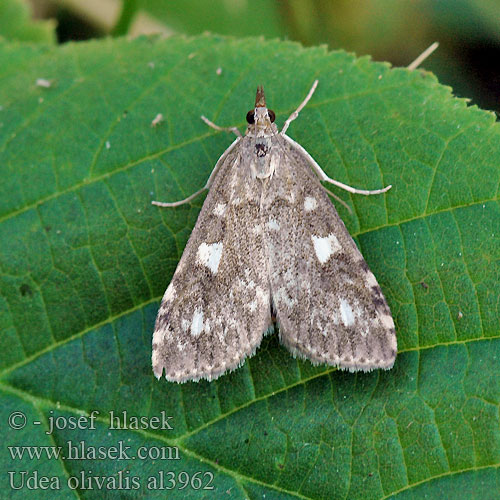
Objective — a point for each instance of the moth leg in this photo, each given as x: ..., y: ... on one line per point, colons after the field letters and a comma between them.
x: 340, y: 200
x: 210, y: 180
x: 221, y: 129
x: 341, y: 185
x: 180, y: 202
x: 423, y: 56
x: 323, y: 177
x: 191, y: 197
x: 348, y: 188
x: 299, y: 109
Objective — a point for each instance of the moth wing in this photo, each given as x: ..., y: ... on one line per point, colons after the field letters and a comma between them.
x: 217, y: 306
x: 329, y: 305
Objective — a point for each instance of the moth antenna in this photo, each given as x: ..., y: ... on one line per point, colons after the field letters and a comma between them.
x: 299, y: 109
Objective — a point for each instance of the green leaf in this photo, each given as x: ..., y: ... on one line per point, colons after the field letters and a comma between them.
x: 85, y: 258
x: 16, y: 23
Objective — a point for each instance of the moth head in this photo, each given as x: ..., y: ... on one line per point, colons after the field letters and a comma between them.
x: 260, y: 118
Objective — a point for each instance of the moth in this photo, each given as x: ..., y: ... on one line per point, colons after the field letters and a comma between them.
x: 269, y: 246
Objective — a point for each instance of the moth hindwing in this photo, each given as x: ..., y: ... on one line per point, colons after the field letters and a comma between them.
x: 269, y: 238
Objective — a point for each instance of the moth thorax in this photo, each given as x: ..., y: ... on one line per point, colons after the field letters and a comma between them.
x: 261, y: 148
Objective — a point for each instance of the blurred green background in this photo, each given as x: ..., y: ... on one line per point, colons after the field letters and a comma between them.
x: 397, y: 31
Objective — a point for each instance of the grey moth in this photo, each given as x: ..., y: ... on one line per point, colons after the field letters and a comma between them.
x: 269, y: 246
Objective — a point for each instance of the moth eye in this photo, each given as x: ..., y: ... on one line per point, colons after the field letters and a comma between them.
x: 251, y: 116
x: 272, y: 116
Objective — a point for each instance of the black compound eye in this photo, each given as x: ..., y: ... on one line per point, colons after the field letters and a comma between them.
x: 272, y: 116
x: 251, y: 116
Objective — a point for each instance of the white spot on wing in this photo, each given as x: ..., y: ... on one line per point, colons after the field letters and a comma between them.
x: 325, y: 247
x: 209, y: 255
x: 252, y: 306
x: 154, y: 356
x: 346, y: 313
x: 281, y: 296
x: 370, y: 280
x: 158, y: 338
x: 197, y: 323
x: 169, y: 293
x: 157, y: 367
x: 387, y: 321
x: 310, y: 203
x: 272, y: 224
x: 180, y: 266
x: 219, y: 209
x: 257, y: 229
x: 261, y: 295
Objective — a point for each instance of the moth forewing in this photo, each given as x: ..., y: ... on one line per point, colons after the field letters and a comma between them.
x: 268, y: 237
x: 205, y: 325
x: 329, y: 305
